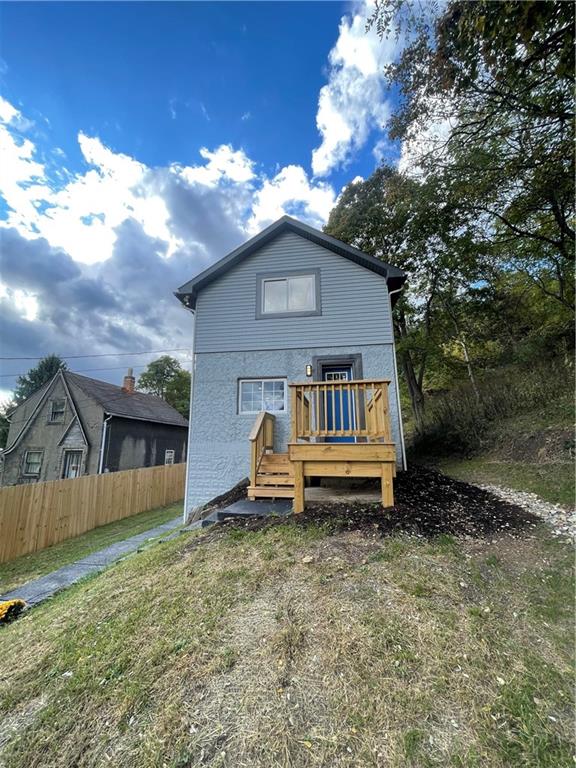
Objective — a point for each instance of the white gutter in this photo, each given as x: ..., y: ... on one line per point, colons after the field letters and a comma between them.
x: 397, y: 384
x: 192, y: 364
x: 102, y: 444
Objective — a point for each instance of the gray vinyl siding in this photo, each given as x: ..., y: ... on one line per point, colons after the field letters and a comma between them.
x: 355, y: 306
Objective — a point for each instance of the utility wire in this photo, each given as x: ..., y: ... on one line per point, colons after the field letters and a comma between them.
x: 103, y: 354
x: 82, y: 370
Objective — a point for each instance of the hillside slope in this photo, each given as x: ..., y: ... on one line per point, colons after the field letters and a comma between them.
x: 437, y: 633
x: 532, y: 451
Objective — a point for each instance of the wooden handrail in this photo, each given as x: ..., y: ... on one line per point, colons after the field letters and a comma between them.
x: 261, y: 440
x: 257, y: 426
x: 355, y: 409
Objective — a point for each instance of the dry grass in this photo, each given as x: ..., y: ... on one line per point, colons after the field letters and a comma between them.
x: 293, y: 646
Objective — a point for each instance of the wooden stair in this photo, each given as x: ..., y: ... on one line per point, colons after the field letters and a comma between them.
x: 274, y: 478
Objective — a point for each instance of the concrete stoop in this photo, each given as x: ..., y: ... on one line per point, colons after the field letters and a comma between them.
x: 244, y: 509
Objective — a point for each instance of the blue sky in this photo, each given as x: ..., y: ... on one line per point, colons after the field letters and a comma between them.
x: 150, y: 138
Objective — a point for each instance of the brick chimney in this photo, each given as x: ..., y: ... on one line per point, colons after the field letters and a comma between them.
x: 129, y: 382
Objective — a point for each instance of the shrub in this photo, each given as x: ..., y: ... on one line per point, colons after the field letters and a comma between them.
x: 457, y: 421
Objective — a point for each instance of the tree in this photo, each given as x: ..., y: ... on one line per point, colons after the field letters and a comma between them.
x: 5, y: 409
x: 178, y: 392
x: 166, y: 378
x: 38, y: 376
x: 496, y: 79
x: 412, y: 224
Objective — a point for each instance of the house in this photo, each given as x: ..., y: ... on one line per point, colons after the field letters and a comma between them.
x: 294, y: 367
x: 75, y: 425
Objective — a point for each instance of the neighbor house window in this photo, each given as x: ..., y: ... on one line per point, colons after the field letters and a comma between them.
x: 72, y: 465
x: 57, y: 408
x: 33, y: 463
x: 288, y: 294
x: 169, y: 457
x: 257, y: 395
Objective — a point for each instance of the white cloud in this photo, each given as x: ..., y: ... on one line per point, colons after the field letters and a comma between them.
x: 353, y: 102
x: 224, y: 164
x: 8, y: 112
x: 424, y: 140
x: 90, y: 258
x: 291, y: 192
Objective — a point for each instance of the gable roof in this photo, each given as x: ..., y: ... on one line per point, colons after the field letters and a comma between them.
x: 188, y: 292
x: 39, y: 398
x: 129, y: 405
x: 113, y: 399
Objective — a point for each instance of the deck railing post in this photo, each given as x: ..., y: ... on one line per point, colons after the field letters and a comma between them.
x: 293, y: 414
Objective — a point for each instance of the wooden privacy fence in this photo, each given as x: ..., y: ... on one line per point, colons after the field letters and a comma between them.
x: 37, y: 515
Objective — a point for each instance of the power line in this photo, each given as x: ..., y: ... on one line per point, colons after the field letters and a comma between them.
x: 82, y: 370
x: 103, y: 354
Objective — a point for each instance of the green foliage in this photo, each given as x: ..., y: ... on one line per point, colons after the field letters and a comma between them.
x: 5, y: 408
x: 38, y: 376
x: 497, y: 80
x: 166, y: 378
x: 457, y: 422
x: 412, y: 224
x: 482, y: 220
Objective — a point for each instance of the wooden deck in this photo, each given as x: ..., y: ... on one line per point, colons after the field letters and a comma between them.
x: 338, y: 429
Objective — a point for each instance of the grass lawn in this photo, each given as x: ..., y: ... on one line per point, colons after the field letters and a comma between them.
x: 27, y: 567
x: 552, y: 481
x: 301, y: 643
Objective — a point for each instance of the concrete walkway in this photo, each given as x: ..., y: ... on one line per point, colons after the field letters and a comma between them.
x: 41, y: 589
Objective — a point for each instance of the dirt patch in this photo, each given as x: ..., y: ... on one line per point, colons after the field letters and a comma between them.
x: 538, y: 446
x: 428, y: 504
x: 17, y: 721
x: 237, y: 493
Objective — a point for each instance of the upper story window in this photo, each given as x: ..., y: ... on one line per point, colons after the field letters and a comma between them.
x: 57, y: 408
x: 287, y: 294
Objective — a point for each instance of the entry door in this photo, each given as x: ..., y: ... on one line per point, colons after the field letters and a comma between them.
x: 338, y: 417
x: 72, y: 464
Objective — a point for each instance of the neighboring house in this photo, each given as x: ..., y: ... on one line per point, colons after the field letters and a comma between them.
x: 292, y: 306
x: 75, y: 426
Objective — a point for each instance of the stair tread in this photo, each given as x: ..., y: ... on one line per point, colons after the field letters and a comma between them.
x: 270, y: 492
x: 274, y: 479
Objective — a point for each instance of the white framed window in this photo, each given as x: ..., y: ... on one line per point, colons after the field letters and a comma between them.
x: 169, y: 456
x: 286, y: 294
x: 255, y: 395
x: 33, y: 463
x: 57, y: 408
x: 72, y: 464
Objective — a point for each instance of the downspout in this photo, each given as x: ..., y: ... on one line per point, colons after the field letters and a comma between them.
x: 193, y: 353
x: 103, y: 443
x: 397, y: 384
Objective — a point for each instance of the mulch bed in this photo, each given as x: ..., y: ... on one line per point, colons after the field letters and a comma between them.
x: 428, y: 504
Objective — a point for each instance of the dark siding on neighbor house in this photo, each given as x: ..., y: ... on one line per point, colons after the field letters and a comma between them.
x: 131, y: 444
x: 355, y: 305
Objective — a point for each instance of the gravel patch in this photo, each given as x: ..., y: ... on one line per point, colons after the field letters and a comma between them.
x: 561, y: 520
